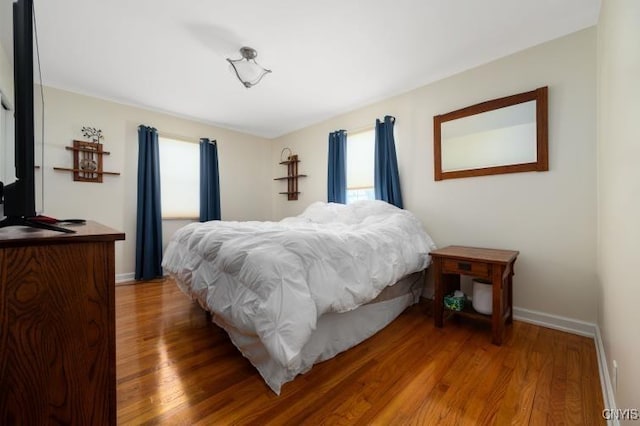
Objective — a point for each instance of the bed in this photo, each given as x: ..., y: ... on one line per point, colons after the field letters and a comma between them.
x: 296, y: 292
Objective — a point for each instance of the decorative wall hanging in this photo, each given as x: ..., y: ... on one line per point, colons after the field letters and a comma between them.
x: 292, y: 174
x: 87, y: 157
x: 92, y: 133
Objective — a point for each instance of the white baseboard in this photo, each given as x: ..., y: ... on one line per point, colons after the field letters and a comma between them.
x: 128, y: 278
x: 605, y: 378
x: 581, y: 328
x: 556, y: 322
x: 125, y: 278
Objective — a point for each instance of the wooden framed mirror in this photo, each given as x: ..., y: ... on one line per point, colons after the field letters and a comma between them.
x: 505, y: 135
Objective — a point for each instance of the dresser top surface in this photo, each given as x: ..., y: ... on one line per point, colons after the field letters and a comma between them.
x: 15, y: 236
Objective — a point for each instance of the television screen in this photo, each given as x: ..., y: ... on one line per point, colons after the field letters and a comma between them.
x: 20, y: 195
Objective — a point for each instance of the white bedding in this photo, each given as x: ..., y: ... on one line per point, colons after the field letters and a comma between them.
x: 335, y: 332
x: 276, y: 279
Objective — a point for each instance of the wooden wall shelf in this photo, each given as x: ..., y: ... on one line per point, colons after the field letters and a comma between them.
x: 291, y: 177
x: 64, y: 169
x: 70, y: 148
x: 87, y: 162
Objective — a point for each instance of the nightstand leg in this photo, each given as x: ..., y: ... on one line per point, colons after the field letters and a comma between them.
x: 510, y: 298
x: 497, y: 323
x: 444, y: 284
x: 438, y: 296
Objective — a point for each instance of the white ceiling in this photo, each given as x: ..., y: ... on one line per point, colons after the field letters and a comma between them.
x: 327, y: 56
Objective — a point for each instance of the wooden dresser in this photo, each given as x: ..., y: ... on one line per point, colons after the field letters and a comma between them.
x: 57, y: 326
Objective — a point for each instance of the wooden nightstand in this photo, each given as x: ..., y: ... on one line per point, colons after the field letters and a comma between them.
x: 493, y: 265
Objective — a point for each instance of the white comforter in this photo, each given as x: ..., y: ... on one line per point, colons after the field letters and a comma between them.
x: 275, y: 279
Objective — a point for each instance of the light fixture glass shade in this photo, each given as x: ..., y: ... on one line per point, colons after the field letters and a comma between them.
x: 248, y: 71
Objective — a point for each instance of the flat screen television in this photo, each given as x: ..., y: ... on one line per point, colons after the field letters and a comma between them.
x: 19, y: 196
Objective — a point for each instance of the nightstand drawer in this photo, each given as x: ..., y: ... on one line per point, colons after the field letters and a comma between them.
x: 465, y: 267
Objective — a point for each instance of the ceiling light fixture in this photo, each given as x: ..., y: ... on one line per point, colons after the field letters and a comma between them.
x: 248, y: 71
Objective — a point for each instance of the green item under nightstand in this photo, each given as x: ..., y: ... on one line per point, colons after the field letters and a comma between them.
x: 455, y: 303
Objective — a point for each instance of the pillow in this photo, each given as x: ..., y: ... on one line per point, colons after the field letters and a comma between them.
x: 320, y: 212
x: 349, y: 214
x: 360, y: 210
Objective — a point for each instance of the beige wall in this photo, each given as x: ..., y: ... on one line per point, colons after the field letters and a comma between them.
x: 6, y: 88
x: 6, y: 74
x: 619, y: 193
x: 549, y: 217
x: 244, y: 173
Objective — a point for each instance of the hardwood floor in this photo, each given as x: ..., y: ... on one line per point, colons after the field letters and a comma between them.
x: 174, y: 367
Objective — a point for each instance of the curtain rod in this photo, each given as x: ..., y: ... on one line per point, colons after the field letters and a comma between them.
x: 178, y: 137
x: 368, y: 127
x: 185, y: 138
x: 361, y: 129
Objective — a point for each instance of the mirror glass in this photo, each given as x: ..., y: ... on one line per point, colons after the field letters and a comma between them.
x: 504, y: 135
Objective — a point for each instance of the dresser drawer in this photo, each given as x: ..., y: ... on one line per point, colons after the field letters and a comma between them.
x: 465, y: 267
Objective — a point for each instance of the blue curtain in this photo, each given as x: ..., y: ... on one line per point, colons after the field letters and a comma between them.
x: 386, y: 178
x: 337, y: 173
x: 209, y: 181
x: 149, y: 220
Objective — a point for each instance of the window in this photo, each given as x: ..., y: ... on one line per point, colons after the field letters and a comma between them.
x: 360, y: 157
x: 179, y: 179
